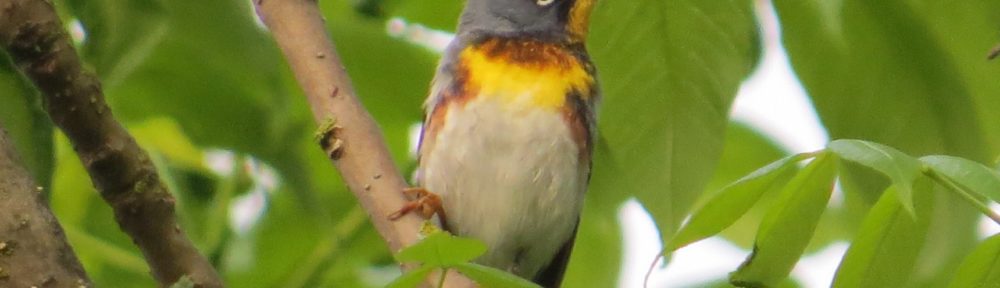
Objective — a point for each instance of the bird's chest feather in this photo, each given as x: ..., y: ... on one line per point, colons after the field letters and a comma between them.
x: 510, y: 176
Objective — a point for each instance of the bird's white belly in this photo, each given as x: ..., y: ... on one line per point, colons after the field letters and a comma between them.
x: 510, y: 176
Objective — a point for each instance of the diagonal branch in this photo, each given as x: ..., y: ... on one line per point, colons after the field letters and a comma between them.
x: 33, y: 248
x: 348, y: 134
x: 32, y: 33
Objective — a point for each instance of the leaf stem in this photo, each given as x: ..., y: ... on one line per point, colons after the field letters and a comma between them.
x: 963, y: 192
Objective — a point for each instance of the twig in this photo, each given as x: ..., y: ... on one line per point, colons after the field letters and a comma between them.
x: 33, y: 248
x: 30, y: 30
x: 964, y: 193
x: 348, y: 134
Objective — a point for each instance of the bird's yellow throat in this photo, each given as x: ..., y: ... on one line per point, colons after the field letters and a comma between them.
x: 524, y: 72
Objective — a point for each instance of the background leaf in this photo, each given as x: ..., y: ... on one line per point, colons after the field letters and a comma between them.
x: 21, y: 115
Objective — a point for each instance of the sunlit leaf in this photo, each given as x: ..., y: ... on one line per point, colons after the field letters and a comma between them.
x: 886, y: 247
x: 899, y: 167
x: 910, y: 74
x: 975, y: 176
x: 665, y: 106
x: 731, y: 203
x: 442, y: 249
x: 788, y: 225
x: 413, y: 278
x: 981, y: 269
x: 490, y: 277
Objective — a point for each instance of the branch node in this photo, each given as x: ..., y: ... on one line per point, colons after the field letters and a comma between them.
x: 328, y: 137
x: 7, y: 247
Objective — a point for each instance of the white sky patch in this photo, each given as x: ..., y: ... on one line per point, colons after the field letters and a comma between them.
x: 220, y: 161
x: 987, y: 227
x: 76, y: 31
x: 435, y: 40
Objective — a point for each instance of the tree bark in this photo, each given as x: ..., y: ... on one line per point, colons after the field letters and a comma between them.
x: 30, y: 30
x: 33, y: 248
x: 348, y: 134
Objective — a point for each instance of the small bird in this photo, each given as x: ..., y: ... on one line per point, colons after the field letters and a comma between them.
x: 508, y: 134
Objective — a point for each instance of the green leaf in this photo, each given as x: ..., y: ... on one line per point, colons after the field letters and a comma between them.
x: 905, y: 89
x: 490, y: 277
x: 975, y: 176
x: 666, y: 102
x: 731, y: 203
x: 887, y: 245
x: 788, y: 225
x: 910, y: 74
x: 21, y: 115
x: 441, y: 249
x: 599, y: 230
x: 899, y: 167
x: 981, y: 269
x: 120, y: 34
x: 441, y: 15
x: 413, y: 278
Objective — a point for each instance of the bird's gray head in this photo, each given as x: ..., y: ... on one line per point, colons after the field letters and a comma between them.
x: 545, y: 18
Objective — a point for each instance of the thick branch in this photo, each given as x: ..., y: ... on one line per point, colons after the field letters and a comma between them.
x: 31, y: 32
x: 348, y: 133
x: 33, y: 248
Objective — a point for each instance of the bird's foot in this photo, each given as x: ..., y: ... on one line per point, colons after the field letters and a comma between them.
x: 425, y: 202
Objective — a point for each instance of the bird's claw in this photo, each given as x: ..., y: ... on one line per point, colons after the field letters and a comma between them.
x: 425, y: 202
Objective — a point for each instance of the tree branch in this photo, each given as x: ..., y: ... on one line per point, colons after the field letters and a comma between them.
x: 348, y: 134
x: 33, y: 248
x: 31, y: 32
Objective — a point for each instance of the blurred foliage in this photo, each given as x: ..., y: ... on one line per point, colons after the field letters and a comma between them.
x: 203, y: 87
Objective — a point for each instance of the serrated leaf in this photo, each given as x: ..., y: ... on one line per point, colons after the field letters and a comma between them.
x: 968, y: 173
x: 899, y: 167
x: 412, y: 278
x: 731, y: 203
x: 981, y: 269
x: 441, y: 249
x: 887, y: 245
x: 789, y: 225
x: 489, y: 277
x: 665, y: 106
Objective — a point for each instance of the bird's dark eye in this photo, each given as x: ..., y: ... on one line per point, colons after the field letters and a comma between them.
x: 544, y: 2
